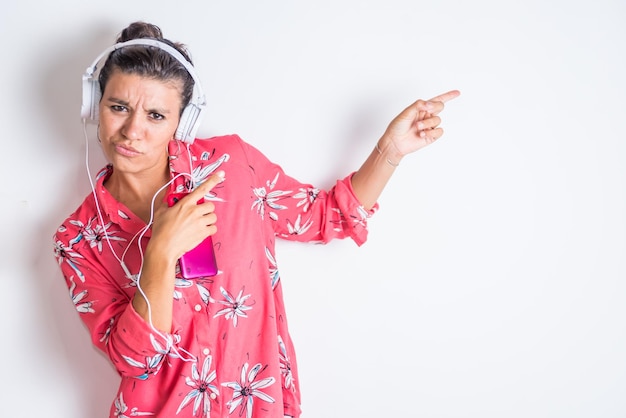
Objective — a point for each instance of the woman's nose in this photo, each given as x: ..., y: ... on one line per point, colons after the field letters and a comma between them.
x: 133, y: 126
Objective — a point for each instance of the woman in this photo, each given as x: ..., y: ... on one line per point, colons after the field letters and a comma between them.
x: 213, y: 345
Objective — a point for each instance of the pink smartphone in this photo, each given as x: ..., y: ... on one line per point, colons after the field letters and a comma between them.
x: 199, y: 261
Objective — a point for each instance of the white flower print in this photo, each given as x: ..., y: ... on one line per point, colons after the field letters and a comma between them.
x: 235, y: 307
x: 247, y: 389
x: 263, y: 199
x: 107, y: 333
x: 182, y: 284
x: 132, y: 280
x: 123, y: 215
x: 81, y: 307
x: 297, y: 228
x: 150, y: 367
x: 96, y: 234
x: 79, y: 235
x: 152, y: 364
x: 204, y: 293
x: 67, y: 255
x: 121, y: 409
x: 338, y: 223
x: 308, y: 196
x: 200, y: 173
x: 285, y: 365
x: 273, y: 269
x: 201, y: 384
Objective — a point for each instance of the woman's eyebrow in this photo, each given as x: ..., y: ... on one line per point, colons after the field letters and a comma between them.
x: 125, y: 103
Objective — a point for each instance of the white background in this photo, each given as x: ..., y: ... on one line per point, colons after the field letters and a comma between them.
x: 493, y: 282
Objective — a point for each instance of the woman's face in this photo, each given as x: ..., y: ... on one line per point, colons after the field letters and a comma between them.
x: 138, y: 117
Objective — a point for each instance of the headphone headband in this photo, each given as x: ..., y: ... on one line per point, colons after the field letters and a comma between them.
x: 190, y: 118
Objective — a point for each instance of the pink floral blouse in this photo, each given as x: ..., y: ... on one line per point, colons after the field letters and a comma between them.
x: 229, y: 352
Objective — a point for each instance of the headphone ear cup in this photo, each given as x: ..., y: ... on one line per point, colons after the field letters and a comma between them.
x: 91, y: 99
x: 190, y: 118
x: 95, y: 101
x: 188, y: 124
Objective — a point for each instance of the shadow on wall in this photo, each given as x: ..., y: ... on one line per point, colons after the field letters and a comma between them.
x: 93, y: 379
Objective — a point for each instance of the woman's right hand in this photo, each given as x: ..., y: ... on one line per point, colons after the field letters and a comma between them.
x: 175, y: 231
x: 183, y: 226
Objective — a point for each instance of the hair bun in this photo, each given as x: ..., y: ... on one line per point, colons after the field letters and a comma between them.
x: 137, y: 30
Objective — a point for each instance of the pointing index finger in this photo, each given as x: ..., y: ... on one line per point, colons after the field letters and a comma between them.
x: 452, y: 94
x: 210, y: 183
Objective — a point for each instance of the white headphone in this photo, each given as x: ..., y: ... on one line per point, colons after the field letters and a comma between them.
x: 190, y: 118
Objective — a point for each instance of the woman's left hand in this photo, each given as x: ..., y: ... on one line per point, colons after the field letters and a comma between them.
x: 416, y: 126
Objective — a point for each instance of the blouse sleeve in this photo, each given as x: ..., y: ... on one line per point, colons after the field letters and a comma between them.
x: 134, y: 348
x: 301, y: 212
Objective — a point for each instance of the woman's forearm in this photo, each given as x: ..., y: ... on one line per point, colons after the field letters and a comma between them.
x: 154, y: 300
x: 372, y: 177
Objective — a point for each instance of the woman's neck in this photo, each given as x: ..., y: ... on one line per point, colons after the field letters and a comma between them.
x: 137, y: 190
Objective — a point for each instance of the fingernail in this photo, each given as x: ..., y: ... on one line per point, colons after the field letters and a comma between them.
x: 420, y: 125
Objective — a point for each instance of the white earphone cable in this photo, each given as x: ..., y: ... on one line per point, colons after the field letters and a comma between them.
x: 139, y: 235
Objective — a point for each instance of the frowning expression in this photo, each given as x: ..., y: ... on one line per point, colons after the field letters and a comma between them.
x: 138, y: 118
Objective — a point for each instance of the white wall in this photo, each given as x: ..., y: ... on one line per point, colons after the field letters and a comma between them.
x: 493, y: 282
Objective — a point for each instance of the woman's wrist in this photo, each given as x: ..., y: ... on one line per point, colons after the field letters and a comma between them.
x: 160, y: 254
x: 387, y: 150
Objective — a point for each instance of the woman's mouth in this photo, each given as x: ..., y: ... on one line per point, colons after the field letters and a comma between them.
x: 126, y: 151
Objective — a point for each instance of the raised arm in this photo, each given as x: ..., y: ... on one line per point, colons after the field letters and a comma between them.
x: 175, y: 231
x: 413, y: 129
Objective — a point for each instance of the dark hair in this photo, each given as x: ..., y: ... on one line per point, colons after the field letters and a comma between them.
x: 148, y: 61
